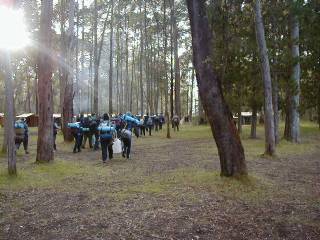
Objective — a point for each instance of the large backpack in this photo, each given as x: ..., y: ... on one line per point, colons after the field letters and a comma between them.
x: 106, y: 131
x: 19, y: 130
x: 149, y: 122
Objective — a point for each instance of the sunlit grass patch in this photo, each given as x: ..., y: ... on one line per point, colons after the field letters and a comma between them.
x: 42, y: 175
x: 184, y: 182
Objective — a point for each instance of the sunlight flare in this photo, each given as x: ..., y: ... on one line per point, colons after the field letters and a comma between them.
x: 13, y: 30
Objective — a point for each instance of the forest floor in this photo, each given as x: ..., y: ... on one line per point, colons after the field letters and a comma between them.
x: 170, y: 189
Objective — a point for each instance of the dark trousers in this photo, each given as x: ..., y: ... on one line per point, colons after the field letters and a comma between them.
x: 175, y: 126
x: 143, y: 130
x: 126, y: 149
x: 89, y: 137
x: 160, y: 126
x: 106, y: 147
x: 77, y: 142
x: 149, y: 129
x: 23, y: 140
x: 96, y: 143
x: 54, y: 141
x: 156, y: 127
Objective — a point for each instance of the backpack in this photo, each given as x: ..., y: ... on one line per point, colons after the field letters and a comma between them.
x: 106, y: 131
x: 126, y: 134
x: 19, y: 130
x: 149, y: 122
x: 86, y: 122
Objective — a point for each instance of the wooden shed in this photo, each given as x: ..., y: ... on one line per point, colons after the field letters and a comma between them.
x: 2, y: 119
x: 31, y: 118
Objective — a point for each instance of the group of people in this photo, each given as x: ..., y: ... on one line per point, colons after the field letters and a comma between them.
x: 102, y: 131
x: 105, y: 130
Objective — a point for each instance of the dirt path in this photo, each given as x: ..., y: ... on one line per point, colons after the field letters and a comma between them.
x: 168, y: 190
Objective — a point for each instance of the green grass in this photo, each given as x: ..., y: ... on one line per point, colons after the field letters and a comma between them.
x: 65, y: 174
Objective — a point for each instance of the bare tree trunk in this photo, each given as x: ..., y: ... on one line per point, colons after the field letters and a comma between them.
x: 166, y: 98
x: 294, y: 97
x: 141, y: 63
x: 132, y: 80
x: 191, y: 97
x: 275, y: 102
x: 270, y: 146
x: 232, y: 159
x: 45, y: 129
x: 177, y: 77
x: 111, y: 60
x: 95, y: 61
x: 127, y: 80
x: 9, y: 116
x: 171, y: 73
x: 77, y: 91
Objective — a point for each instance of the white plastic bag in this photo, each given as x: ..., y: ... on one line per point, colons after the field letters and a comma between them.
x: 117, y: 147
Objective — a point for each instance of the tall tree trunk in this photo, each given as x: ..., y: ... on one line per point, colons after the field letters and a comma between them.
x: 35, y: 86
x: 232, y: 158
x: 127, y: 89
x: 9, y: 116
x: 191, y: 97
x: 275, y: 102
x: 177, y: 77
x: 166, y: 97
x: 141, y: 65
x: 95, y: 61
x: 293, y: 132
x: 68, y: 94
x: 82, y: 55
x: 171, y: 73
x: 45, y: 129
x: 132, y: 80
x: 270, y: 146
x: 111, y: 60
x: 77, y: 91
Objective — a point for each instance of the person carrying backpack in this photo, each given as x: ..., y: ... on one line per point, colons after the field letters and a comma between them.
x: 107, y: 135
x: 22, y: 134
x: 77, y: 132
x: 125, y: 137
x: 95, y: 121
x: 175, y: 122
x: 150, y: 124
x: 88, y: 134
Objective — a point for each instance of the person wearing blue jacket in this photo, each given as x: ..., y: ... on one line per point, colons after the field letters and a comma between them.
x: 107, y: 135
x: 22, y: 134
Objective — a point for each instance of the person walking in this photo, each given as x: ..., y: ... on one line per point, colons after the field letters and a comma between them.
x: 126, y: 137
x: 107, y: 134
x: 22, y: 134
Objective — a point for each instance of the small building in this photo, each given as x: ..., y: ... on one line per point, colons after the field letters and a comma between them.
x: 31, y: 119
x: 2, y: 119
x: 246, y: 118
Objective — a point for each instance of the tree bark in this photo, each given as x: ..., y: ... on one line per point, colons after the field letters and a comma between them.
x: 45, y: 129
x: 231, y: 153
x: 191, y: 97
x: 268, y: 108
x: 68, y: 94
x: 111, y: 59
x: 166, y: 97
x: 177, y: 77
x: 141, y: 65
x: 275, y: 102
x: 293, y: 131
x: 9, y: 116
